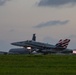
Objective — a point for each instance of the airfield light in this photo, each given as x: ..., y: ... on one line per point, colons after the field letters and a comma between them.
x: 28, y: 47
x: 74, y: 51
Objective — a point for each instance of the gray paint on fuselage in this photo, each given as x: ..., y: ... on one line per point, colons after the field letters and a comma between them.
x: 33, y: 44
x: 43, y: 47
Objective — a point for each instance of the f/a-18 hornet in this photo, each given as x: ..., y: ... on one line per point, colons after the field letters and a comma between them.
x: 39, y: 47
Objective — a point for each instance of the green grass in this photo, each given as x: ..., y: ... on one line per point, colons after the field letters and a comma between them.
x: 37, y: 64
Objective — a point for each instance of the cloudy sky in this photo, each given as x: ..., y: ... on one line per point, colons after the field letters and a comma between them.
x: 51, y: 20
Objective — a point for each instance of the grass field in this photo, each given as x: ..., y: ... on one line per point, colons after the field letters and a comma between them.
x: 37, y: 64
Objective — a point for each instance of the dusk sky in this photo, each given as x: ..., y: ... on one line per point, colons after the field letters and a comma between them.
x: 51, y: 20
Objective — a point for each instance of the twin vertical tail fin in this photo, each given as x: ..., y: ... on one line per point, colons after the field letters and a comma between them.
x: 34, y: 37
x: 63, y: 43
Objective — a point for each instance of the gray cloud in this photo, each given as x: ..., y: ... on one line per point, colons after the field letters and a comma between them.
x: 2, y: 2
x: 51, y: 23
x: 55, y: 3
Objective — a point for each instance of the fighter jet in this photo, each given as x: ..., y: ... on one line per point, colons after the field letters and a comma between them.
x: 39, y: 47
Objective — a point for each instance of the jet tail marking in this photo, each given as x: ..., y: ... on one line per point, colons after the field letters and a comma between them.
x: 63, y: 43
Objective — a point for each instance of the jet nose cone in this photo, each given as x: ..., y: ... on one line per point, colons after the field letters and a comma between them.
x: 17, y: 43
x: 13, y: 43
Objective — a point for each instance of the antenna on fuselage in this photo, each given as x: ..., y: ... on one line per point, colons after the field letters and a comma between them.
x: 34, y: 37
